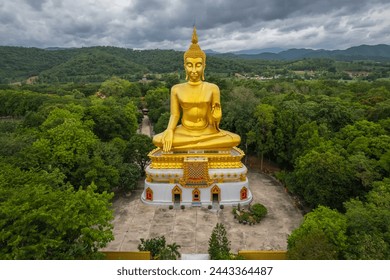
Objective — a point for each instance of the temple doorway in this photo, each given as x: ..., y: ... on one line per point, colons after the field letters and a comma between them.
x: 177, y: 198
x: 215, y: 198
x: 176, y: 195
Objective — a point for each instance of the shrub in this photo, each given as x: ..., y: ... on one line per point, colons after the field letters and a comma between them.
x: 153, y: 245
x: 258, y: 211
x: 245, y: 217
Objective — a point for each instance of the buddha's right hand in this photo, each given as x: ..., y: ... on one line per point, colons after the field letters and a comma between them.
x: 167, y: 140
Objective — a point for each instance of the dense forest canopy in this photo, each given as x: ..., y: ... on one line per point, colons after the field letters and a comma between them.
x: 70, y: 136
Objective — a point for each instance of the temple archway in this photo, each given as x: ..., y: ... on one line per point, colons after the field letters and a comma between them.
x: 176, y: 194
x: 215, y: 194
x: 149, y: 194
x: 196, y: 195
x: 243, y: 193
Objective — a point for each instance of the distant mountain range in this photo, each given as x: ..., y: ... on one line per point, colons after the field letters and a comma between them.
x: 258, y: 51
x: 379, y: 52
x: 364, y: 52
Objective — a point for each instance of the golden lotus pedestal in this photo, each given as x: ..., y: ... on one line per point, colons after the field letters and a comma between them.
x: 196, y: 178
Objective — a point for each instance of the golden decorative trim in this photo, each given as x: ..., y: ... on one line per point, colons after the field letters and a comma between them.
x: 217, y: 159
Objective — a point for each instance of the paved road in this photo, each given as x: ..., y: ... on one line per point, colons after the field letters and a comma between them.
x: 145, y: 126
x: 191, y: 228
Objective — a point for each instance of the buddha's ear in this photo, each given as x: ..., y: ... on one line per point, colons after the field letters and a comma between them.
x: 204, y: 67
x: 185, y: 70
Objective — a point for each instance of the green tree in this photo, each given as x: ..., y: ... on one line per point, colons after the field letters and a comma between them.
x: 307, y: 137
x: 119, y: 88
x: 68, y: 143
x: 171, y: 80
x: 329, y: 226
x: 334, y: 112
x: 43, y: 218
x: 14, y: 138
x: 288, y: 119
x: 157, y: 101
x: 369, y: 224
x: 159, y: 249
x: 170, y: 252
x: 323, y: 178
x: 162, y: 123
x: 153, y: 245
x: 114, y: 155
x: 113, y: 120
x: 138, y: 149
x: 237, y: 112
x: 313, y: 246
x: 265, y: 115
x: 364, y: 128
x: 219, y: 245
x: 129, y: 175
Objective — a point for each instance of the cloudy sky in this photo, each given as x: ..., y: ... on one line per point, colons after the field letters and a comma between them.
x: 223, y: 25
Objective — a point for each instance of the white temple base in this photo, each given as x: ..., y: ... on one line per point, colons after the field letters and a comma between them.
x: 228, y: 187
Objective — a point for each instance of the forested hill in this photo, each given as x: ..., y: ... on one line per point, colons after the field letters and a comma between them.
x: 99, y: 63
x: 363, y: 52
x: 92, y: 62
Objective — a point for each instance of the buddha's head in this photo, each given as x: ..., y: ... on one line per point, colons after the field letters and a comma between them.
x: 194, y: 60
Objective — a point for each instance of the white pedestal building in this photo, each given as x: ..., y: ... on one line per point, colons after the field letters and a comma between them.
x: 196, y: 178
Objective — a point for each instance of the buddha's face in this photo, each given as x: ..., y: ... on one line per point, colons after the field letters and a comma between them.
x: 194, y: 68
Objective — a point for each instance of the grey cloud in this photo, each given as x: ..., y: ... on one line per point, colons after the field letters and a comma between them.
x: 222, y: 24
x: 36, y: 4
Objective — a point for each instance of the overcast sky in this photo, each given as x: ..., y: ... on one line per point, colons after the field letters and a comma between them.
x: 223, y: 25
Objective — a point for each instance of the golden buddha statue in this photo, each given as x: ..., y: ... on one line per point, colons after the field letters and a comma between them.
x: 199, y: 103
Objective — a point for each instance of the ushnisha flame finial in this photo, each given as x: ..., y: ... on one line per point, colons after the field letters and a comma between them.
x: 194, y: 51
x: 194, y: 36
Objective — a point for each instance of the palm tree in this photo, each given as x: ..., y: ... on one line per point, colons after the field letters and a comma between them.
x: 170, y: 252
x: 174, y: 248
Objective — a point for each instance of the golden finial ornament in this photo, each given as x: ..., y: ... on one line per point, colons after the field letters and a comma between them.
x: 194, y: 51
x: 194, y: 36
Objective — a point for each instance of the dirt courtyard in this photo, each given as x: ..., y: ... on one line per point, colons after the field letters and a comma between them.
x: 191, y: 228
